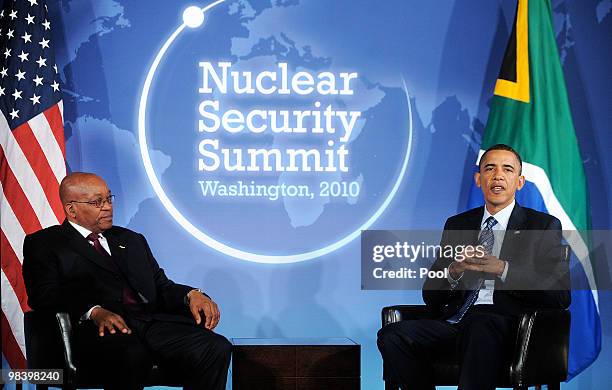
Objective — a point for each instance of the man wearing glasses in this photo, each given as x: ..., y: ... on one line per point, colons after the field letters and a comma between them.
x: 128, y: 311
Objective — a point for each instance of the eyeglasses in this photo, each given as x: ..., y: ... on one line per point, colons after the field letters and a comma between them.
x: 98, y: 203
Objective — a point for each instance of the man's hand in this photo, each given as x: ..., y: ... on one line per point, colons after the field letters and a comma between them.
x: 199, y: 302
x: 487, y: 263
x: 456, y: 269
x: 105, y: 319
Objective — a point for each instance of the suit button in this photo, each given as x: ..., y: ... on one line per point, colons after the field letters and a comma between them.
x: 117, y: 277
x: 118, y: 300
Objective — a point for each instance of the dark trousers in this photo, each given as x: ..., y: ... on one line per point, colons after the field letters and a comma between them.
x: 198, y: 357
x: 479, y: 342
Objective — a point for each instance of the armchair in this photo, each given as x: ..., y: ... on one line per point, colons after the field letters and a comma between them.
x: 50, y: 344
x: 539, y: 356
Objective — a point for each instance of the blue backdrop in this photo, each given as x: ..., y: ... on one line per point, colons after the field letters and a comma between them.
x: 426, y: 72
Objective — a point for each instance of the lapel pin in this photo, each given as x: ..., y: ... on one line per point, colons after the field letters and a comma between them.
x: 121, y: 246
x: 517, y: 232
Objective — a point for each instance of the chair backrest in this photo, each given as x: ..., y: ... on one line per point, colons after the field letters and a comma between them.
x: 44, y: 347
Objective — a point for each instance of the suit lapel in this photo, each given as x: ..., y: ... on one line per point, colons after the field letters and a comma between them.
x: 117, y: 251
x: 513, y: 232
x: 474, y: 221
x: 80, y: 245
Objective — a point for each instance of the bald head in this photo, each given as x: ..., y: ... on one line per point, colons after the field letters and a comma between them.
x: 76, y: 184
x: 78, y: 192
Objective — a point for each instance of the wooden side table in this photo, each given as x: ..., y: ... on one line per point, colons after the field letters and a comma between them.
x: 295, y: 364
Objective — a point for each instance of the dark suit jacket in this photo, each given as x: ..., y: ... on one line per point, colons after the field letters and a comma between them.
x: 537, y: 275
x: 63, y: 272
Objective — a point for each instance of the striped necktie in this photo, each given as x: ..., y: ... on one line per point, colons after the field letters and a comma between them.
x: 486, y: 240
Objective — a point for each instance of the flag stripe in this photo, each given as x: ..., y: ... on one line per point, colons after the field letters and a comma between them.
x: 15, y: 196
x: 11, y: 226
x: 11, y: 249
x: 13, y: 354
x: 43, y: 129
x: 55, y: 120
x: 26, y: 177
x: 11, y: 266
x: 40, y: 166
x: 14, y: 316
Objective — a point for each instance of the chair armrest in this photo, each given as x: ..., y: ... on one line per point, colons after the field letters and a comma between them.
x: 391, y: 314
x: 65, y: 326
x: 542, y: 346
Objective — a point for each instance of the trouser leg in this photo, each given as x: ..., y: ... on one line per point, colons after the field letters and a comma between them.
x: 483, y: 343
x: 201, y: 356
x: 407, y: 348
x: 118, y: 361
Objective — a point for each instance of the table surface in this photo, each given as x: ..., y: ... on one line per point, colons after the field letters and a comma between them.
x: 301, y: 341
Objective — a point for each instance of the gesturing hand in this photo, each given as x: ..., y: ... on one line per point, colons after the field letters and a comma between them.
x: 199, y: 302
x: 489, y: 264
x: 105, y: 319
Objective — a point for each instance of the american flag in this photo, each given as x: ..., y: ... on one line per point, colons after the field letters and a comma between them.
x: 32, y: 152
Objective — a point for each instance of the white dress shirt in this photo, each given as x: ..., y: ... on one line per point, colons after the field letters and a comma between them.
x: 485, y: 295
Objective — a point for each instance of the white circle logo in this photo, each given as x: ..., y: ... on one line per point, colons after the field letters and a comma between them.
x: 193, y: 17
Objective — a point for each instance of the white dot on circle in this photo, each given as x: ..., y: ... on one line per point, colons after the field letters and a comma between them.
x: 193, y: 16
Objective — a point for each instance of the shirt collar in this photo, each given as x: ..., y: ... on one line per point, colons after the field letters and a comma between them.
x: 83, y: 231
x: 502, y: 216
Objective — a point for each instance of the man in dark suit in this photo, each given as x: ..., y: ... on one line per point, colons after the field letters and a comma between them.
x: 517, y: 267
x: 127, y: 313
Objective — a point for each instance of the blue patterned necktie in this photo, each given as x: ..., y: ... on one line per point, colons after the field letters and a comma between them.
x: 485, y: 239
